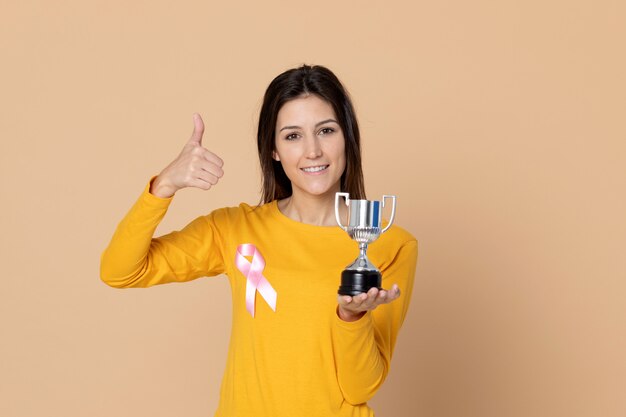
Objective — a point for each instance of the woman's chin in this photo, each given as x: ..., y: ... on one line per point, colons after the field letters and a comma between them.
x: 319, y: 191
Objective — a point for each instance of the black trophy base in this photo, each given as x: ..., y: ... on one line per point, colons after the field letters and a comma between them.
x: 356, y: 282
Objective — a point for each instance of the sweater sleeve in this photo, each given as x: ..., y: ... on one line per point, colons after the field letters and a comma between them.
x: 363, y: 348
x: 134, y: 258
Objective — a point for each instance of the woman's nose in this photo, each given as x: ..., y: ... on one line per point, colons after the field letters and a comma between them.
x: 313, y: 148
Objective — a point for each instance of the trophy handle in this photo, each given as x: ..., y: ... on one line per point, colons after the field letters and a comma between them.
x: 347, y: 197
x: 393, y: 211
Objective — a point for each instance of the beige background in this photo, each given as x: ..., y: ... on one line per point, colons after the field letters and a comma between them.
x: 499, y: 124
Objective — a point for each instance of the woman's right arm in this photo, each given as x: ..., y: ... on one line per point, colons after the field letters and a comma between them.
x: 134, y: 258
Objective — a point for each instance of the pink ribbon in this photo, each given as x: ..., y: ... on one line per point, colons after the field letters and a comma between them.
x: 254, y: 275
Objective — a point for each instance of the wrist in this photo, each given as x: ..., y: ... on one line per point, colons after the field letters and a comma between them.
x: 349, y: 316
x: 160, y: 188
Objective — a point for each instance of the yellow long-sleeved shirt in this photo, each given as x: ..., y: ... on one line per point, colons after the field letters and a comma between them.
x: 301, y: 360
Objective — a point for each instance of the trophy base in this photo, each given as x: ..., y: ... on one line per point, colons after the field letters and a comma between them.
x: 354, y: 282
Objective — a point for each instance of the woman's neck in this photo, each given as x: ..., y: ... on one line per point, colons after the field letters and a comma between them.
x: 315, y: 210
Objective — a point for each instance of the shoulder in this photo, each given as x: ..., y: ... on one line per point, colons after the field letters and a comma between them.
x: 242, y: 212
x: 396, y: 235
x: 397, y: 243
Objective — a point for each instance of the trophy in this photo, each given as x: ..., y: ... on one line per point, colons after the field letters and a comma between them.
x: 364, y: 226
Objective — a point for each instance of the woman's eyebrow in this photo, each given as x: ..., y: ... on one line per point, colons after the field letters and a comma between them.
x: 326, y: 121
x: 316, y: 124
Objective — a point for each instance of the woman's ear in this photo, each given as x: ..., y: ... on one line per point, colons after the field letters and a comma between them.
x: 275, y: 156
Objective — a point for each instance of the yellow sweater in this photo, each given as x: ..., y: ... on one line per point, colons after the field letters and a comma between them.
x: 301, y: 360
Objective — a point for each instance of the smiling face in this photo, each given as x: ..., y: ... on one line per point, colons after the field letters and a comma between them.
x: 310, y: 146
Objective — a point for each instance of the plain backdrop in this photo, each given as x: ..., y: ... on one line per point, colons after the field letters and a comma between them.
x: 500, y: 126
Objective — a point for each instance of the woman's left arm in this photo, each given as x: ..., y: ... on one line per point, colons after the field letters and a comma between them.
x: 365, y: 328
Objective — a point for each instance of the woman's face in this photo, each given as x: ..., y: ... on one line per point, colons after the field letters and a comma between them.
x: 310, y: 146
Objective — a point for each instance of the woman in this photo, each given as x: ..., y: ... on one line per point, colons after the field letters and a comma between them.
x: 296, y: 349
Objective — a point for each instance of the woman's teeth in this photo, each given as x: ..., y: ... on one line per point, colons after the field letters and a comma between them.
x: 315, y: 169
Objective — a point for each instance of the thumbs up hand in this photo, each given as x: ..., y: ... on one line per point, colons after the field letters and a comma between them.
x: 194, y: 167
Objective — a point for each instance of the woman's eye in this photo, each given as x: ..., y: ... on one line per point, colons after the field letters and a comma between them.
x: 291, y: 136
x: 327, y: 130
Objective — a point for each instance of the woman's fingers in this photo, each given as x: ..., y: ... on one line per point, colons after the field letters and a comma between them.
x: 200, y: 183
x: 198, y: 130
x: 213, y: 164
x: 369, y: 300
x: 345, y: 299
x: 207, y: 177
x: 212, y: 158
x: 195, y: 166
x: 394, y: 293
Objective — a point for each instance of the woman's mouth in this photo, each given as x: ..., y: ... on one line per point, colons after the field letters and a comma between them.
x: 315, y: 169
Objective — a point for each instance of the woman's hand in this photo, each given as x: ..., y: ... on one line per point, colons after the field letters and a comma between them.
x: 194, y: 167
x: 353, y: 308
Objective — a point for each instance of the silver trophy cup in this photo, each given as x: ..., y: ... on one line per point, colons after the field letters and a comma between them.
x: 364, y: 226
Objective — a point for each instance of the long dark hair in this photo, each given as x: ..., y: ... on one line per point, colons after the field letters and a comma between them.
x: 287, y: 86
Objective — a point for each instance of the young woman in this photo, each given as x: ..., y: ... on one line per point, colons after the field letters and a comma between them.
x: 297, y: 348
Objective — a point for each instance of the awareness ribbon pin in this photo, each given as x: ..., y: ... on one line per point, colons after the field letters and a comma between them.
x: 253, y: 272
